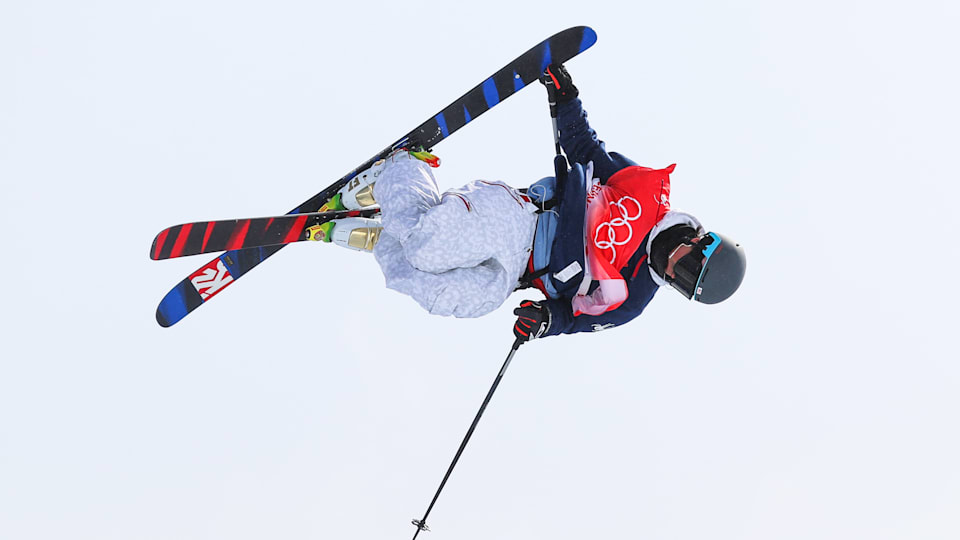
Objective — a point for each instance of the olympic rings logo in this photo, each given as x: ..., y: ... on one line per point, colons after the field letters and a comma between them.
x: 617, y: 227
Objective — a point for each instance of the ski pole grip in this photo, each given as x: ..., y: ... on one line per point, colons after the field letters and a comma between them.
x: 552, y: 98
x: 560, y: 170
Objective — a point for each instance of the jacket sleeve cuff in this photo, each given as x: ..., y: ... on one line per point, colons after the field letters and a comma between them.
x: 561, y: 316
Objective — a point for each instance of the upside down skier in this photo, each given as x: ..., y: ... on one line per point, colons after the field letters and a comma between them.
x: 598, y: 243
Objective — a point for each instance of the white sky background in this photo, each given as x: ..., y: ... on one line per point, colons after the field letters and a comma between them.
x: 308, y: 401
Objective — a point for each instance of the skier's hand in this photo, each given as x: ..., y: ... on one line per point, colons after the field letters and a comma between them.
x: 533, y: 320
x: 557, y: 78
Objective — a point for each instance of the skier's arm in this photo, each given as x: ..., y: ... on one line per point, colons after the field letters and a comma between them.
x: 563, y: 321
x: 552, y: 317
x: 608, y: 295
x: 581, y: 144
x: 578, y: 140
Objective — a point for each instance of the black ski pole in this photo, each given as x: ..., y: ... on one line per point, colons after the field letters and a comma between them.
x: 422, y: 523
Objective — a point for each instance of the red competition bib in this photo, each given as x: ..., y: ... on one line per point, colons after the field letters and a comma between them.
x: 619, y: 216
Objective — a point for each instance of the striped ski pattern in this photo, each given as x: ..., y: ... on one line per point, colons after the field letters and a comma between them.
x: 236, y: 234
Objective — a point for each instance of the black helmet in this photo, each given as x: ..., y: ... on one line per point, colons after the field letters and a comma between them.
x: 712, y: 271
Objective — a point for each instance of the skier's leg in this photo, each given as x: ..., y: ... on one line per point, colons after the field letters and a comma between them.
x: 359, y: 191
x: 461, y: 256
x: 405, y: 190
x: 463, y: 229
x: 419, y: 192
x: 413, y: 213
x: 461, y: 292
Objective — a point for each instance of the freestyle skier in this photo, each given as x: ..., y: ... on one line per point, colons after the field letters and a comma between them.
x: 598, y: 242
x: 598, y: 239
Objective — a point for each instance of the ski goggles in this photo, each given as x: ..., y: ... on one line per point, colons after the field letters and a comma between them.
x: 689, y: 270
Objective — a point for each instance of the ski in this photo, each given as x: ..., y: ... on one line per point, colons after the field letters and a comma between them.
x: 235, y: 234
x: 210, y: 279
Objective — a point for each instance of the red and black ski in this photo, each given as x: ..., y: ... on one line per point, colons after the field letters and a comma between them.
x: 232, y: 234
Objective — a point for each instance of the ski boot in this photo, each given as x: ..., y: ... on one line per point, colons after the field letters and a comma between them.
x: 357, y: 233
x: 358, y: 193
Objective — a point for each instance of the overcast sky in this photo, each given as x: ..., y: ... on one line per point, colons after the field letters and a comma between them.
x: 308, y: 401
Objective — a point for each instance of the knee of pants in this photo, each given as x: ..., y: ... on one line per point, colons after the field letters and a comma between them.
x: 451, y: 301
x: 444, y: 240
